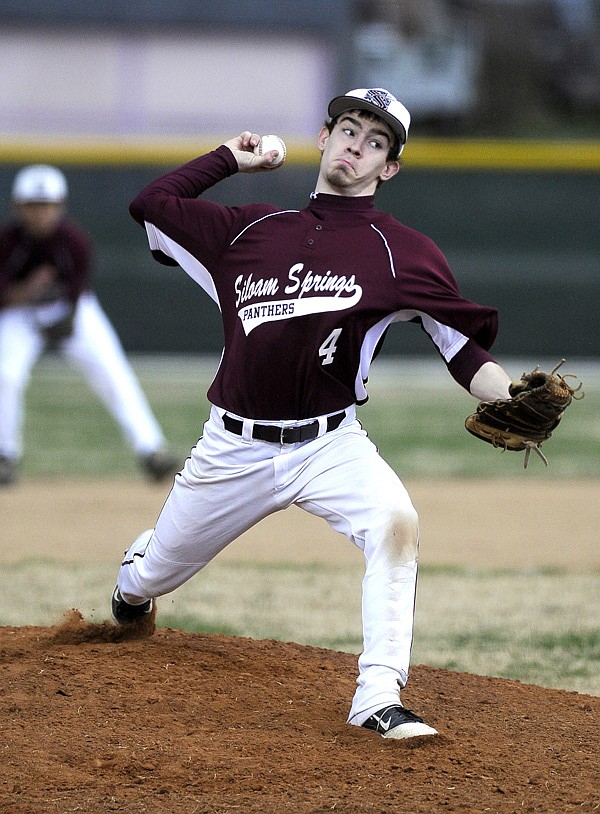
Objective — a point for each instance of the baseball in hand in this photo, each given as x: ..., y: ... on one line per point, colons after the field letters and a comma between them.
x: 268, y: 143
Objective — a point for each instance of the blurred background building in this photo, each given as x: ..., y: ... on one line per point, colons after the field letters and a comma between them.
x: 492, y: 67
x: 148, y: 67
x: 113, y: 91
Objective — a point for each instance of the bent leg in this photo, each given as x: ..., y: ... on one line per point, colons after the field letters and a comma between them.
x: 224, y: 489
x: 363, y: 498
x: 95, y: 347
x: 20, y: 347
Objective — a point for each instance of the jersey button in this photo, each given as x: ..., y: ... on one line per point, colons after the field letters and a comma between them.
x: 310, y: 241
x: 318, y: 228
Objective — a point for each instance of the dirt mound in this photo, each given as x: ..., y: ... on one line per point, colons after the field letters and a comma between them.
x: 201, y: 724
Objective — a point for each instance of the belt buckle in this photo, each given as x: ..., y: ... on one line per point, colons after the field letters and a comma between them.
x: 299, y: 432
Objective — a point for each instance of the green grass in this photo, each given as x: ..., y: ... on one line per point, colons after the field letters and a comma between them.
x: 69, y: 433
x: 415, y: 415
x: 537, y: 626
x: 420, y: 431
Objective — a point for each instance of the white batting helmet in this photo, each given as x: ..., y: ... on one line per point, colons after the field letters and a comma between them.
x: 39, y: 183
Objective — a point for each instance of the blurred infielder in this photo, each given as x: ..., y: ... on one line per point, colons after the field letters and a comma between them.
x: 46, y: 301
x: 306, y: 298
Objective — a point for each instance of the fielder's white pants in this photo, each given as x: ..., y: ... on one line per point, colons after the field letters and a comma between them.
x: 229, y: 483
x: 96, y: 349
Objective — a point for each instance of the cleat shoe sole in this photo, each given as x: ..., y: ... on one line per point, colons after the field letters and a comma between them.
x: 409, y: 731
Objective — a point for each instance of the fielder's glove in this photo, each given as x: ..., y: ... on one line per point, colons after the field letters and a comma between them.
x: 56, y: 331
x: 527, y: 419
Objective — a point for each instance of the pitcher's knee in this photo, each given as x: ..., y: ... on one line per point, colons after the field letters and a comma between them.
x: 404, y: 531
x: 398, y: 534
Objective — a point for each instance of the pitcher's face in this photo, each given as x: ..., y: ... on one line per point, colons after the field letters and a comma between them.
x: 355, y: 155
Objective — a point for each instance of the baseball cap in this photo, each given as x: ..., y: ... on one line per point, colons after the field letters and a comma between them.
x: 378, y: 101
x: 39, y: 183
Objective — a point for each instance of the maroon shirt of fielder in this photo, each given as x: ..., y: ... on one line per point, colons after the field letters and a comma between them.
x: 68, y: 249
x: 306, y: 295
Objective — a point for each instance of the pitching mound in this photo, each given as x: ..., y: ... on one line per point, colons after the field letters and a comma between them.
x: 177, y: 723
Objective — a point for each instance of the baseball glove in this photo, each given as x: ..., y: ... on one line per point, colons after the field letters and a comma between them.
x: 522, y: 422
x: 59, y: 330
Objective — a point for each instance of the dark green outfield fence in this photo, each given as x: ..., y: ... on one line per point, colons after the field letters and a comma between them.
x: 527, y: 242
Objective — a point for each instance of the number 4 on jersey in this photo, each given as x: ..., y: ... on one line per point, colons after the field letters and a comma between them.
x: 329, y: 346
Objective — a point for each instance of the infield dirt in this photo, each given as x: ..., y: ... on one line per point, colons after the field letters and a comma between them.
x: 182, y: 723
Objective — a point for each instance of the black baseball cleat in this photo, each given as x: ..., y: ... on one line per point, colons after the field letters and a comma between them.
x: 125, y: 614
x: 8, y: 470
x: 398, y: 722
x: 159, y: 465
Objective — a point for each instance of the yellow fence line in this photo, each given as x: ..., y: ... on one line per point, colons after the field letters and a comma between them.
x: 421, y: 153
x: 506, y: 154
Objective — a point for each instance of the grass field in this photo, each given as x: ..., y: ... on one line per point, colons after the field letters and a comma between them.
x: 540, y: 626
x: 415, y: 414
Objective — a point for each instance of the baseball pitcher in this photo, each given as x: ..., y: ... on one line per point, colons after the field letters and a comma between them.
x: 306, y: 297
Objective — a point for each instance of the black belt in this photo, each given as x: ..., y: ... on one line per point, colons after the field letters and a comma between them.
x: 283, y: 435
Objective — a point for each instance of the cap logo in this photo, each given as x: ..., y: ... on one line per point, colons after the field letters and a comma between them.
x: 379, y: 98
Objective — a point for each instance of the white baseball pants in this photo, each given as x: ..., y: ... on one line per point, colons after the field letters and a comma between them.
x: 229, y: 483
x: 96, y: 349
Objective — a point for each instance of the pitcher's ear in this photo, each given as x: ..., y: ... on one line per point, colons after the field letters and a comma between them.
x: 322, y: 138
x: 390, y: 169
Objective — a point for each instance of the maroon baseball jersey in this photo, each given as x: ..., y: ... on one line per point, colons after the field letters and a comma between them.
x: 67, y: 249
x: 306, y: 296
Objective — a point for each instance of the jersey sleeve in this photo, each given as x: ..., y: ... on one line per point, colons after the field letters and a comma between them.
x: 436, y: 291
x: 467, y: 362
x: 189, y: 231
x: 462, y: 331
x: 173, y: 215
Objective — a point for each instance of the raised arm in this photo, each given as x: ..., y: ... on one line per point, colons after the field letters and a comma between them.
x: 242, y: 147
